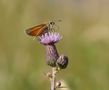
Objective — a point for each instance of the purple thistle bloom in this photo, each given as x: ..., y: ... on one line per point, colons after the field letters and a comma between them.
x: 48, y: 40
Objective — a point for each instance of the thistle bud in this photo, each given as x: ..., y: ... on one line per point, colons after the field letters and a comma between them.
x: 62, y: 62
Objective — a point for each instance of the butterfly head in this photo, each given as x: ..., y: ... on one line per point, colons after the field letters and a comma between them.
x: 52, y: 25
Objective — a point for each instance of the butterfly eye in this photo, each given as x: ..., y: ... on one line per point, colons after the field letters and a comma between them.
x: 52, y: 23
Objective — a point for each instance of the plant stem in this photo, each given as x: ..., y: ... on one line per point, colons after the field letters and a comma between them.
x: 53, y: 79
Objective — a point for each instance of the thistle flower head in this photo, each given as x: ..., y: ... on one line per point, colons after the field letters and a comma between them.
x: 50, y: 38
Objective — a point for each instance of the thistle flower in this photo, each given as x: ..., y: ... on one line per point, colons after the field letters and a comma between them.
x: 49, y: 40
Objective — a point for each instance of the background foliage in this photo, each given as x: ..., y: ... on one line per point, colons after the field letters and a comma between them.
x: 85, y: 30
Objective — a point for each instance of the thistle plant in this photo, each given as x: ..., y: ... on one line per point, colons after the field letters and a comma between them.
x: 53, y: 59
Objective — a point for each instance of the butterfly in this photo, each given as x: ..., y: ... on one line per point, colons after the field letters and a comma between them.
x: 40, y: 29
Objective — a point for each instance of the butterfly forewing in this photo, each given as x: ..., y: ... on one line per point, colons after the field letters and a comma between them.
x: 36, y: 30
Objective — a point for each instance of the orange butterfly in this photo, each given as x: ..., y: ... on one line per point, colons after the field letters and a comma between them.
x: 40, y: 29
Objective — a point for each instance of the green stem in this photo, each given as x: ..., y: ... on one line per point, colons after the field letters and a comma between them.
x: 53, y: 79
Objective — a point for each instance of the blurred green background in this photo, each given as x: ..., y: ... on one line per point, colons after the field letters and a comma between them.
x: 85, y: 30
